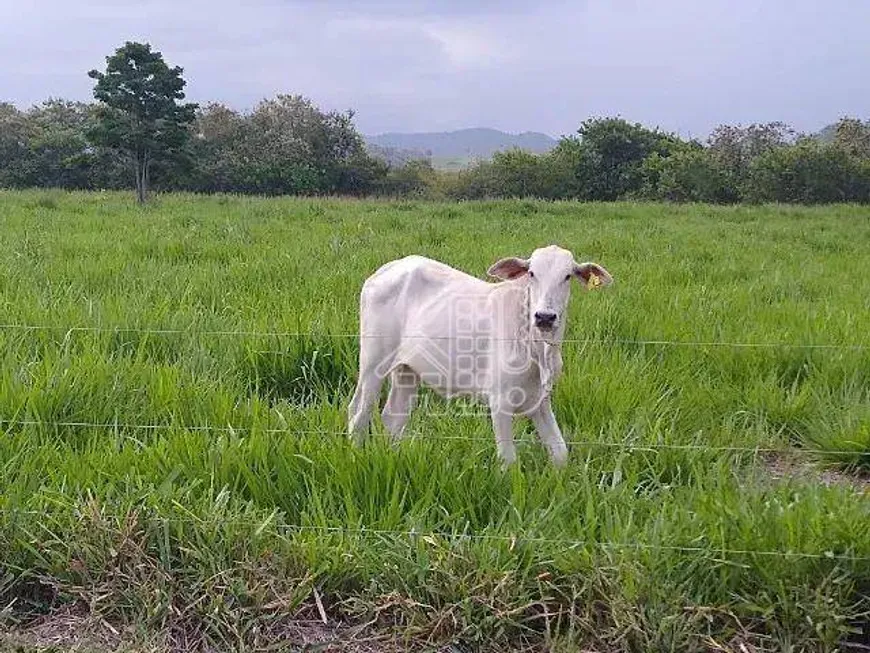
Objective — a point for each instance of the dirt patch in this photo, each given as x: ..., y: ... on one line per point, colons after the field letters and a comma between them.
x: 787, y: 465
x: 73, y: 630
x: 68, y: 629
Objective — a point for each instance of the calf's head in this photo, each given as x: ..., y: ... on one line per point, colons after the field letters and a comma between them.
x: 548, y: 274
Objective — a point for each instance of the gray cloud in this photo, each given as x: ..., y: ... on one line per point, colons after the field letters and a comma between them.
x: 425, y: 65
x: 417, y: 8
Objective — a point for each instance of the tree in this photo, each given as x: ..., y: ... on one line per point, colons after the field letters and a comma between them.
x: 15, y: 152
x: 60, y: 153
x: 570, y: 166
x: 289, y: 146
x: 218, y: 132
x: 477, y: 182
x: 140, y: 114
x: 688, y: 175
x: 853, y: 136
x: 735, y: 147
x: 606, y: 157
x: 809, y: 172
x: 520, y: 173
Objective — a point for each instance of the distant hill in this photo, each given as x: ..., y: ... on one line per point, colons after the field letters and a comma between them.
x: 827, y: 134
x: 456, y: 148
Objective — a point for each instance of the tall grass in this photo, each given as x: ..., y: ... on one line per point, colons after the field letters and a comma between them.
x: 181, y: 465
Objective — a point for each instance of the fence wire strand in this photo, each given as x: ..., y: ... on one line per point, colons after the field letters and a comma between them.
x: 348, y: 335
x: 431, y: 535
x: 291, y: 430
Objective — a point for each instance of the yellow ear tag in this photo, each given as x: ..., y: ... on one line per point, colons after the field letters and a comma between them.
x: 594, y: 281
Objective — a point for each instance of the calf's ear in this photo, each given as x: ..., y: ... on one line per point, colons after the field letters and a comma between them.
x: 509, y: 268
x: 592, y: 274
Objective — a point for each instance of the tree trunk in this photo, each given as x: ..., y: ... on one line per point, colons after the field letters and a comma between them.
x: 140, y: 187
x: 136, y: 175
x: 141, y: 177
x: 145, y: 166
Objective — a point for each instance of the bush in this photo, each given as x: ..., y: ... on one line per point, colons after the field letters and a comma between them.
x: 477, y: 182
x: 285, y: 146
x: 735, y: 147
x: 416, y: 178
x: 15, y: 151
x: 520, y: 174
x: 809, y: 172
x: 690, y: 175
x: 605, y: 160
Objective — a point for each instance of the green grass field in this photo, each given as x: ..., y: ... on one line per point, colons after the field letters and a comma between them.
x: 172, y: 456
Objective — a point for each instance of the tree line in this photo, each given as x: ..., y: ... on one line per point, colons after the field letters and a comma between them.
x: 139, y: 134
x: 610, y: 158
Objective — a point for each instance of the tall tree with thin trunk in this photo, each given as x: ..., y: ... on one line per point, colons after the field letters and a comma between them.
x: 140, y: 114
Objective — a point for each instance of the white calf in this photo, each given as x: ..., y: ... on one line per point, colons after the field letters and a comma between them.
x: 422, y: 321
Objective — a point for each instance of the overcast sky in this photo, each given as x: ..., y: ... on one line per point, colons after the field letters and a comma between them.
x: 424, y: 65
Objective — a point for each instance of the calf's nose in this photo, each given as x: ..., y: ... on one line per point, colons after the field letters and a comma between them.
x: 545, y: 319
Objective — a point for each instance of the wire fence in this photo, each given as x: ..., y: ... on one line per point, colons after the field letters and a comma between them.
x: 432, y: 536
x: 348, y: 335
x: 632, y: 446
x: 120, y: 427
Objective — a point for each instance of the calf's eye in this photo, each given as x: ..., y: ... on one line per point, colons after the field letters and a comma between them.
x: 568, y: 278
x: 531, y: 275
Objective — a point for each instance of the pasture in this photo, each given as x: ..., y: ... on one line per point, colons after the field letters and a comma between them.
x: 173, y: 395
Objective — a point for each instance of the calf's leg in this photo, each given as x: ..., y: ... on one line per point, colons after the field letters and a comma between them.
x: 502, y: 423
x: 549, y: 433
x: 365, y: 396
x: 400, y: 401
